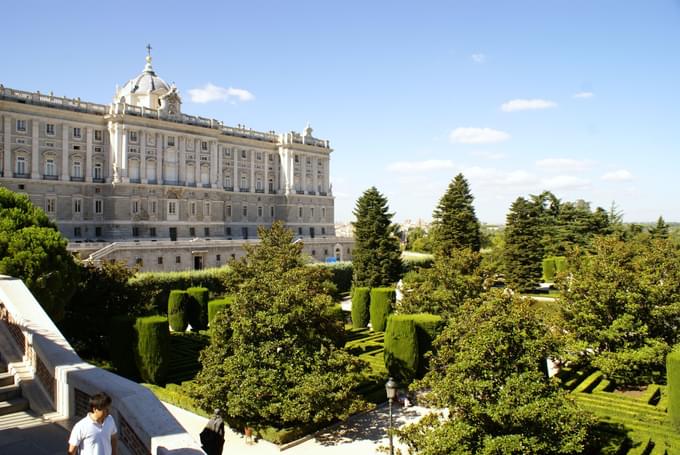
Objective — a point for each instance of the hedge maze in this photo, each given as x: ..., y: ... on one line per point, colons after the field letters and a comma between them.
x: 638, y: 422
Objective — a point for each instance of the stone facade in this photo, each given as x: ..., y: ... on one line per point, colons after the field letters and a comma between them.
x: 139, y: 170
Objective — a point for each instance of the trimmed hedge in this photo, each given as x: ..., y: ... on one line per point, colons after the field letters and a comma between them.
x: 214, y: 306
x: 673, y: 388
x: 428, y: 327
x: 153, y: 348
x: 179, y: 304
x: 198, y: 308
x: 552, y: 266
x: 381, y: 307
x: 154, y: 287
x: 341, y: 274
x: 361, y: 299
x: 122, y: 345
x: 401, y: 348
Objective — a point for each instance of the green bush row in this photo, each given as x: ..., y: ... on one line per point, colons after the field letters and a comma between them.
x: 381, y: 307
x: 153, y: 347
x: 552, y: 266
x: 361, y: 299
x: 673, y: 385
x: 341, y: 274
x: 217, y: 305
x: 407, y: 339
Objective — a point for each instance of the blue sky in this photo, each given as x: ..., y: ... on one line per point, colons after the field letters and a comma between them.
x: 580, y: 97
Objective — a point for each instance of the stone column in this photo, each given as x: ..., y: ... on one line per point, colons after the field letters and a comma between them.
x: 303, y: 173
x: 326, y: 176
x: 89, y: 132
x: 213, y: 164
x: 252, y: 171
x: 159, y: 159
x: 220, y: 165
x: 35, y: 149
x: 124, y: 155
x: 64, y: 155
x: 315, y: 173
x: 266, y: 172
x: 7, y: 168
x: 197, y: 163
x: 182, y: 160
x: 235, y: 183
x: 142, y: 156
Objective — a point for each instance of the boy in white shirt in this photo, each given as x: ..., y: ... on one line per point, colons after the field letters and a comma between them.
x: 95, y: 434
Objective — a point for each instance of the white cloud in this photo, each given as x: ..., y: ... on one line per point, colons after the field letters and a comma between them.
x: 210, y: 92
x: 419, y: 166
x: 565, y: 182
x: 584, y: 95
x: 527, y: 105
x: 564, y: 164
x: 621, y: 175
x: 478, y: 58
x: 478, y: 136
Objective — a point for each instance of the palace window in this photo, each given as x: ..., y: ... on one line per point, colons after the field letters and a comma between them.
x: 135, y: 231
x: 178, y: 259
x: 21, y: 165
x: 192, y: 232
x: 152, y: 207
x: 51, y: 205
x: 297, y: 158
x: 271, y: 211
x: 323, y: 213
x: 50, y: 167
x: 49, y: 129
x: 206, y: 209
x: 259, y: 211
x: 245, y: 210
x: 206, y: 232
x: 98, y: 231
x: 300, y: 212
x: 171, y: 141
x: 152, y: 232
x: 77, y: 132
x: 76, y: 171
x: 76, y: 231
x: 172, y: 208
x: 98, y: 171
x: 97, y: 135
x: 258, y: 184
x: 77, y: 205
x: 133, y: 136
x: 259, y: 156
x: 192, y: 208
x: 244, y: 183
x: 21, y: 125
x: 243, y: 153
x: 98, y: 206
x: 160, y: 260
x: 228, y: 211
x: 323, y: 231
x: 204, y: 145
x: 227, y: 181
x: 135, y: 206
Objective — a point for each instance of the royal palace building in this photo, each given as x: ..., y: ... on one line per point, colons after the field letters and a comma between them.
x: 140, y: 181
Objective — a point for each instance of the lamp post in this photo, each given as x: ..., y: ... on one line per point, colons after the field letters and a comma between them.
x: 391, y: 389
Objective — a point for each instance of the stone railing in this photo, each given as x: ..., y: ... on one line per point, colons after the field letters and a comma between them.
x: 29, y: 340
x: 50, y: 100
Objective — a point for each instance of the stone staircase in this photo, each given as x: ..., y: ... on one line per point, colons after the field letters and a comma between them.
x: 14, y: 409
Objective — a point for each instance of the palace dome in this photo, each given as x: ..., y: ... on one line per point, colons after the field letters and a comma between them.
x: 145, y: 90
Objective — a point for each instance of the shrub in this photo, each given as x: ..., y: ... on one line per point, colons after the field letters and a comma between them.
x: 549, y: 269
x: 178, y: 310
x: 214, y: 306
x: 361, y: 298
x: 415, y: 261
x: 198, y: 307
x: 401, y: 347
x: 673, y: 379
x: 341, y: 274
x: 428, y: 327
x: 153, y: 346
x: 560, y: 264
x: 122, y: 345
x: 381, y: 307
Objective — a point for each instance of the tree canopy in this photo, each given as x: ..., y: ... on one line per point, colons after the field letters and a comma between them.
x: 274, y: 358
x: 621, y: 306
x: 487, y: 374
x: 523, y: 251
x: 376, y: 258
x: 32, y: 249
x: 454, y: 223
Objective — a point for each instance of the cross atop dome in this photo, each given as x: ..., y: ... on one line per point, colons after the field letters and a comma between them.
x: 147, y: 68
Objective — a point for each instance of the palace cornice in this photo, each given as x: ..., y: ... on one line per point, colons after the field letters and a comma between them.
x: 50, y: 113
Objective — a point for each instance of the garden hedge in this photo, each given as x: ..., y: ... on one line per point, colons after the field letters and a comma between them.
x: 401, y: 348
x: 361, y: 299
x: 381, y: 307
x: 153, y: 348
x: 218, y: 305
x: 428, y: 327
x: 198, y: 307
x: 341, y: 274
x: 552, y: 266
x: 673, y: 381
x: 179, y: 304
x: 122, y: 340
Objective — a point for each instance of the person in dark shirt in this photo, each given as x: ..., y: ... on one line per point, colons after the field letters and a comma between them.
x: 212, y: 436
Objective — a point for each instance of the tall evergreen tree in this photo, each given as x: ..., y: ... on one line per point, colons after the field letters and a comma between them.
x: 376, y: 259
x: 523, y: 253
x: 660, y: 231
x: 455, y: 224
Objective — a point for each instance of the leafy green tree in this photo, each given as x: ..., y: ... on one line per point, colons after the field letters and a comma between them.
x: 32, y: 249
x: 454, y: 223
x: 621, y: 306
x: 274, y: 357
x: 376, y: 258
x: 486, y: 373
x: 417, y: 239
x: 661, y: 230
x: 523, y: 244
x: 444, y: 287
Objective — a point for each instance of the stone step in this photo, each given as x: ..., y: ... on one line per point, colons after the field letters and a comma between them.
x: 10, y: 391
x: 20, y: 419
x: 13, y: 405
x: 6, y: 379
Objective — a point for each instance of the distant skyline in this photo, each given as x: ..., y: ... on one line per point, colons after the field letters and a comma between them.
x: 578, y: 97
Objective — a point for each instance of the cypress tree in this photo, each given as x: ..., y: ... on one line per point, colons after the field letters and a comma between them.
x: 455, y: 224
x: 660, y: 231
x: 523, y: 255
x: 376, y: 258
